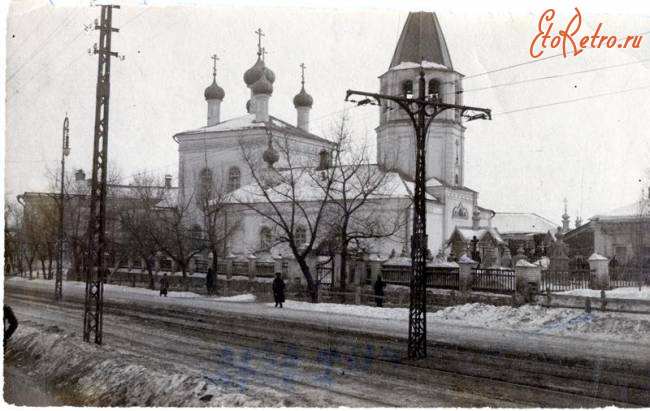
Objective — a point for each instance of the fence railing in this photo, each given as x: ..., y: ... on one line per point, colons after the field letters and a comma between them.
x: 566, y: 280
x: 240, y: 268
x: 493, y: 279
x: 626, y: 276
x: 265, y: 269
x: 437, y: 277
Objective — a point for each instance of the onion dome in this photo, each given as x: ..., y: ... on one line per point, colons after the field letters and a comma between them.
x: 270, y: 156
x: 303, y: 99
x: 262, y: 86
x: 214, y: 92
x: 255, y: 73
x: 270, y: 75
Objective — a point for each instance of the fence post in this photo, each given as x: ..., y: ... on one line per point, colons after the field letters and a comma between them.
x: 526, y: 273
x: 465, y: 265
x: 599, y: 266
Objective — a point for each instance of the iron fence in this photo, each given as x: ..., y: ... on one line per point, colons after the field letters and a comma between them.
x: 566, y: 280
x: 627, y: 276
x: 437, y: 277
x: 493, y: 279
x: 222, y: 267
x: 240, y: 267
x: 265, y: 269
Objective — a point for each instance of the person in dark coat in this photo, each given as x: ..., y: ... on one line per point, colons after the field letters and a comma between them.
x: 164, y: 285
x: 209, y: 281
x: 379, y: 291
x: 278, y: 290
x: 9, y: 319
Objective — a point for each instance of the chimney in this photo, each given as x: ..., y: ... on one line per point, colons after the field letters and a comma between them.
x: 323, y: 160
x: 168, y: 181
x: 79, y: 175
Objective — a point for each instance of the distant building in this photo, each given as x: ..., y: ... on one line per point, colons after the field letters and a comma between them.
x: 622, y: 233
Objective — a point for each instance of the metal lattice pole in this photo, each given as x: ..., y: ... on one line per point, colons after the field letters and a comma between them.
x: 421, y: 110
x: 65, y: 150
x: 93, y: 307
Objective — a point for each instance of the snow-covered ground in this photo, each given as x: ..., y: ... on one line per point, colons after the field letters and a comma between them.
x: 529, y: 318
x: 623, y: 292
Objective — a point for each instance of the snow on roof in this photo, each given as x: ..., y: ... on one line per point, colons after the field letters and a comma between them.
x: 247, y: 122
x: 639, y: 208
x: 308, y: 186
x: 522, y: 223
x: 425, y: 65
x: 468, y: 234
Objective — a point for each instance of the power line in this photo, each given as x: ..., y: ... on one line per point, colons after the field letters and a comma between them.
x: 572, y: 100
x: 40, y: 48
x: 29, y: 35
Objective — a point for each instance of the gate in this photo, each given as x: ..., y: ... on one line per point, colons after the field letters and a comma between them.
x: 493, y: 279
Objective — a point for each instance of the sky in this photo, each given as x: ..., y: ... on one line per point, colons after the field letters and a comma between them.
x: 592, y: 150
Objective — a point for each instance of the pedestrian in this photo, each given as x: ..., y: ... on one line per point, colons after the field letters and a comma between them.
x: 10, y: 324
x: 379, y: 291
x: 164, y: 285
x: 278, y: 290
x: 209, y: 281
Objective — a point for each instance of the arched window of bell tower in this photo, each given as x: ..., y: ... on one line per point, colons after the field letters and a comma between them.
x: 434, y: 88
x: 407, y: 88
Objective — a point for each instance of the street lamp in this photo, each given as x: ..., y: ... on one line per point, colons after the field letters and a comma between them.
x: 65, y: 151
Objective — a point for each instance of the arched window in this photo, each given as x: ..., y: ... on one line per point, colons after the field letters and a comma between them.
x: 234, y: 178
x: 407, y: 88
x: 266, y: 238
x: 300, y: 236
x: 205, y: 184
x: 434, y: 88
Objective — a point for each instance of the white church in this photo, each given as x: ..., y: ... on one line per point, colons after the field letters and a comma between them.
x: 454, y: 217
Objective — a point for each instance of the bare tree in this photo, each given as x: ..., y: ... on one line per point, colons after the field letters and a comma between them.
x: 289, y: 199
x: 138, y: 216
x: 212, y: 202
x: 14, y: 239
x: 355, y: 195
x: 173, y: 232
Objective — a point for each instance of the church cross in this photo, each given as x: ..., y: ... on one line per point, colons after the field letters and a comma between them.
x: 302, y: 69
x: 260, y: 34
x: 565, y: 204
x: 214, y: 58
x: 264, y: 52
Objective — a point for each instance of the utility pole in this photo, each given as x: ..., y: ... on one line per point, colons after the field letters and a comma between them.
x: 421, y: 110
x: 95, y: 269
x: 65, y: 151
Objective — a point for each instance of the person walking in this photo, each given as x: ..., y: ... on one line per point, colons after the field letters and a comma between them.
x: 278, y: 290
x: 10, y: 324
x: 164, y: 285
x: 379, y: 291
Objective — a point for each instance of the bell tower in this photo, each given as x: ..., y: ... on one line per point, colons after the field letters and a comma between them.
x: 422, y: 43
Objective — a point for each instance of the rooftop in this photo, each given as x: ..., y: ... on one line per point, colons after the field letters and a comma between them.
x: 522, y: 223
x: 421, y: 39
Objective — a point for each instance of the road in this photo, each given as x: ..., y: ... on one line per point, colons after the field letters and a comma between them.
x: 270, y: 362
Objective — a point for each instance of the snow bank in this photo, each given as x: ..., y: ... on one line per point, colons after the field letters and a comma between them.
x: 241, y: 298
x: 106, y: 376
x: 527, y: 318
x: 624, y: 292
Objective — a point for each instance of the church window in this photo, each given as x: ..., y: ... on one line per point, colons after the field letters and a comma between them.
x: 266, y: 238
x: 234, y: 178
x: 407, y: 88
x: 300, y: 236
x: 205, y: 184
x: 434, y: 87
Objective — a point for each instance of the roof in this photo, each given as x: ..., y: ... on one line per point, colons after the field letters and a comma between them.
x: 307, y: 187
x: 467, y: 234
x: 247, y: 122
x: 522, y: 223
x: 639, y: 208
x: 421, y: 39
x: 435, y: 182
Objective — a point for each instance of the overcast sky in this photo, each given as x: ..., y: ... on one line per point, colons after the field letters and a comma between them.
x: 593, y: 151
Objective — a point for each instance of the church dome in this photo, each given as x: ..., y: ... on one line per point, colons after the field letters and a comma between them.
x: 270, y: 75
x: 214, y: 92
x: 255, y: 73
x: 303, y: 99
x: 270, y: 156
x: 262, y: 86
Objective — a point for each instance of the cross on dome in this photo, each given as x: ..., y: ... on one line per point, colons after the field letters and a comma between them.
x: 214, y: 58
x: 302, y: 75
x: 260, y: 34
